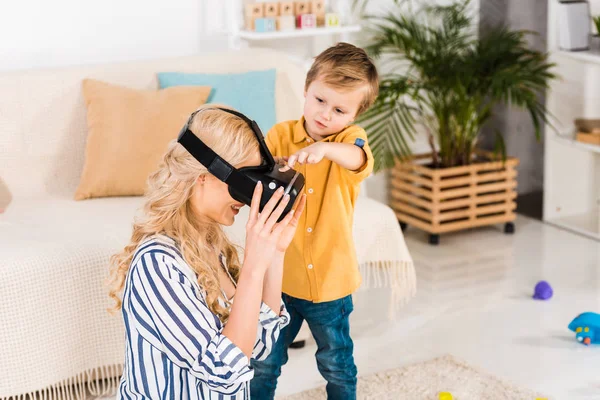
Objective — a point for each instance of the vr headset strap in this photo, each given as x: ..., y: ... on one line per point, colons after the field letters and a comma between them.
x: 212, y: 161
x: 264, y: 150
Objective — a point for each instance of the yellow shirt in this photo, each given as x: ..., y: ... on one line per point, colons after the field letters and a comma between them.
x: 320, y: 264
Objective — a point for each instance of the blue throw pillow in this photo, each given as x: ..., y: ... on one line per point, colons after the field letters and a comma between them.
x: 252, y: 93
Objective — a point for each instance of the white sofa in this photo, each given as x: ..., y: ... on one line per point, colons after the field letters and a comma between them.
x: 55, y: 251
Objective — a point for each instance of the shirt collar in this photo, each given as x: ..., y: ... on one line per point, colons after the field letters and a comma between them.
x: 299, y: 131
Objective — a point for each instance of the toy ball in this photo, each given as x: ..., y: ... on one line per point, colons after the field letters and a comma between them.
x: 445, y: 396
x: 542, y: 291
x: 586, y: 327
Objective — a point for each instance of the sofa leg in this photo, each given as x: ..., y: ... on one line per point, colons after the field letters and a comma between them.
x: 434, y: 239
x: 298, y: 345
x: 509, y: 228
x: 403, y: 225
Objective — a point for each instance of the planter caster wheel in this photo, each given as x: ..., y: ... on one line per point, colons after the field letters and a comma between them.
x: 509, y: 228
x: 434, y: 239
x: 298, y: 345
x: 403, y: 226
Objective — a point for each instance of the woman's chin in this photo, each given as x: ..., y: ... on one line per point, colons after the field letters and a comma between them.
x: 227, y: 220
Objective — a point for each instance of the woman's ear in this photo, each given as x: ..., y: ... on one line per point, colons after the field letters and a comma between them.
x: 201, y: 179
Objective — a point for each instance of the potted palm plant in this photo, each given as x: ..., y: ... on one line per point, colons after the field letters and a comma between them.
x: 446, y: 80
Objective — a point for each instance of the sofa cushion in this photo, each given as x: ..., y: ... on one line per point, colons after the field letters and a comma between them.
x: 252, y: 93
x: 128, y: 132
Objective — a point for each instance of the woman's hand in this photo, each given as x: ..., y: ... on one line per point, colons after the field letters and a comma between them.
x: 290, y: 230
x: 312, y: 154
x: 263, y: 231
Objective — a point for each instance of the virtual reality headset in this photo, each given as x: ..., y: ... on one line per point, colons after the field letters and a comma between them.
x: 242, y: 181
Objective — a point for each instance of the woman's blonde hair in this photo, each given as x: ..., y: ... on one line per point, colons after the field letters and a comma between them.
x: 168, y: 209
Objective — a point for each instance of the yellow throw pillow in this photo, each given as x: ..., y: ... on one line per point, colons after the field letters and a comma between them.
x: 128, y: 133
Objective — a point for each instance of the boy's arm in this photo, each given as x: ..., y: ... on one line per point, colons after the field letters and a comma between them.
x: 346, y: 155
x: 359, y: 166
x: 350, y: 150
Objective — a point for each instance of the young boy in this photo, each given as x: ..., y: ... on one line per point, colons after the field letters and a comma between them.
x: 320, y: 268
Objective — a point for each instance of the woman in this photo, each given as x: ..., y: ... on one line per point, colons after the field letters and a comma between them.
x: 186, y: 338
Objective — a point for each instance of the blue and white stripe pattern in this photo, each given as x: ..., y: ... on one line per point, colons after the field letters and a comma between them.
x: 174, y: 346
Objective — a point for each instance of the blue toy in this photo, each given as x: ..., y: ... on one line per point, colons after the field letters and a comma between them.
x: 586, y: 327
x: 542, y: 291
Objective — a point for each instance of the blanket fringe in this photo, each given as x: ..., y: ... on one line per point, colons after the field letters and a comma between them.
x: 400, y: 276
x: 101, y: 381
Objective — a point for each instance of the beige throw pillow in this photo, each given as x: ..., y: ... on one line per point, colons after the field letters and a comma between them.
x: 128, y: 133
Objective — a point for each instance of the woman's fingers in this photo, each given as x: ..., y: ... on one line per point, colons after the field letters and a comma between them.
x: 255, y: 203
x: 277, y: 213
x: 299, y: 209
x: 285, y: 222
x: 270, y: 206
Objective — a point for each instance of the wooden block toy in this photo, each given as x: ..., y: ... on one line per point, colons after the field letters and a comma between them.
x: 306, y: 21
x: 253, y: 11
x: 271, y: 9
x: 286, y: 8
x: 286, y: 23
x: 321, y: 20
x: 265, y: 24
x: 317, y: 7
x: 332, y: 20
x: 301, y: 7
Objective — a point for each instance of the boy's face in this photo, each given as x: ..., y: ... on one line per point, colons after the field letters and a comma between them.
x: 329, y: 110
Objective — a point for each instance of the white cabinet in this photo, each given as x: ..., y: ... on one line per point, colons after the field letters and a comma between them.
x: 571, y: 168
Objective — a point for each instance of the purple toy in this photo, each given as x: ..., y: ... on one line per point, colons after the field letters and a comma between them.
x: 543, y: 291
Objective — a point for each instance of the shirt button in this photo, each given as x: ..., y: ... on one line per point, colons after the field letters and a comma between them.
x: 310, y: 266
x: 309, y: 230
x: 310, y: 190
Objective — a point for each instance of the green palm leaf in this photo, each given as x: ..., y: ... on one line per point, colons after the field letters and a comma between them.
x: 447, y: 80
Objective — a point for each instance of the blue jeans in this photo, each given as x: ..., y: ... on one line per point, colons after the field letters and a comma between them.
x: 330, y: 326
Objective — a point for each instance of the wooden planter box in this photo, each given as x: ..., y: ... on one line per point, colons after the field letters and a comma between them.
x: 452, y: 199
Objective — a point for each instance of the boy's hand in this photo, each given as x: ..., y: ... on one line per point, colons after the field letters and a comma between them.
x: 281, y: 160
x: 308, y: 155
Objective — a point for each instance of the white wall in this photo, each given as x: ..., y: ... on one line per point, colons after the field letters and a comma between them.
x: 42, y: 33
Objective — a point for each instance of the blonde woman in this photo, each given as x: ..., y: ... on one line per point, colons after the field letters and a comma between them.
x: 186, y: 337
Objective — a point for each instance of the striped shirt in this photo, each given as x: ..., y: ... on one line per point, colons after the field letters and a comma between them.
x: 174, y: 346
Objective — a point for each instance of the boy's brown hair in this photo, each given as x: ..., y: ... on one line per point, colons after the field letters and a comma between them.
x: 345, y: 66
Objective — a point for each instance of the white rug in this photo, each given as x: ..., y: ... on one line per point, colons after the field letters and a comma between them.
x: 426, y: 380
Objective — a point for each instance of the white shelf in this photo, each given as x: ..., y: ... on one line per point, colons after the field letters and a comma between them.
x: 570, y: 141
x: 250, y: 35
x: 586, y: 224
x: 589, y: 56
